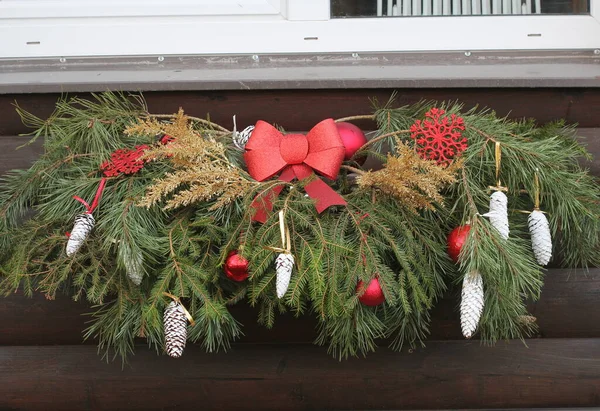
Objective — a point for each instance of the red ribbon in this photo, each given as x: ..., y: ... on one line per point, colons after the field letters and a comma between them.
x: 269, y: 152
x: 91, y: 208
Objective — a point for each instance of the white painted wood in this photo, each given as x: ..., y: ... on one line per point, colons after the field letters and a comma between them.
x: 390, y: 7
x: 437, y: 7
x: 476, y: 7
x: 538, y: 6
x: 24, y: 9
x: 308, y: 10
x: 395, y: 11
x: 176, y: 35
x: 528, y: 7
x: 379, y: 8
x: 456, y: 9
x: 507, y: 6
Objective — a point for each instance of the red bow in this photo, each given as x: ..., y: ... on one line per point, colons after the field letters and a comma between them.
x: 269, y: 152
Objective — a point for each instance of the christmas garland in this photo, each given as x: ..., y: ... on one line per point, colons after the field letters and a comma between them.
x: 188, y: 218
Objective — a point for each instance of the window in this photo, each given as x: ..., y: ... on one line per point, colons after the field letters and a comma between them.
x: 63, y: 28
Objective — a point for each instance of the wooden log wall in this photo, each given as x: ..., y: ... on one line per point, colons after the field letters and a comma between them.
x: 44, y: 364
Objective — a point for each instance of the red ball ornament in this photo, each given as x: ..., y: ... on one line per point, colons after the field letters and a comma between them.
x: 236, y: 266
x: 353, y: 139
x: 373, y: 295
x: 456, y: 240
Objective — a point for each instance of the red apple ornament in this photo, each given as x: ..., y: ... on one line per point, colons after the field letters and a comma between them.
x: 353, y: 139
x: 373, y: 295
x: 236, y: 266
x: 456, y: 240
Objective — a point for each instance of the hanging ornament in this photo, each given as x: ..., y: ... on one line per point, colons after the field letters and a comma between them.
x: 236, y: 266
x: 439, y: 138
x: 498, y: 213
x: 269, y: 152
x: 471, y: 303
x: 241, y: 138
x: 353, y: 139
x: 175, y: 322
x: 284, y: 263
x: 125, y: 161
x: 372, y: 295
x: 84, y: 222
x: 456, y: 239
x: 541, y: 239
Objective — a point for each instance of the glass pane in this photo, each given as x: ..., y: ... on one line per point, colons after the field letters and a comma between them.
x: 385, y: 8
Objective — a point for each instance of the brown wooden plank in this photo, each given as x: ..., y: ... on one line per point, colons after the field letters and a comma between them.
x: 568, y: 308
x: 301, y: 109
x: 550, y: 373
x: 15, y: 153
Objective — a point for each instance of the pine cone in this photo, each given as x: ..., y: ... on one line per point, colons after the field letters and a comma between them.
x: 541, y: 240
x: 471, y: 303
x: 240, y: 139
x: 175, y: 326
x: 283, y: 266
x: 498, y: 213
x: 84, y: 223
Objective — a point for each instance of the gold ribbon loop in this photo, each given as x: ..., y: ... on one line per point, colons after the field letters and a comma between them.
x: 178, y: 301
x: 536, y: 181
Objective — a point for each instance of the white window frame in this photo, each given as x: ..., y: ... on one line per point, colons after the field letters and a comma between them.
x: 211, y: 27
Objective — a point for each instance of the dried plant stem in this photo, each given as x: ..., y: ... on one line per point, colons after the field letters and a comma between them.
x: 352, y: 169
x: 196, y: 119
x: 359, y: 117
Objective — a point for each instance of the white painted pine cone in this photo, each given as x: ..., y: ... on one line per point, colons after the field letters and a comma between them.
x: 175, y: 328
x: 498, y: 213
x: 471, y: 303
x: 284, y: 264
x: 541, y: 239
x: 84, y: 223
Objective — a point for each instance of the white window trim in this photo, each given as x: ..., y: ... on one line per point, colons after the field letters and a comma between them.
x: 288, y: 26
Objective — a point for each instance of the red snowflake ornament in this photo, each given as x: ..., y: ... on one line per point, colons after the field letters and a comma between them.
x: 124, y: 161
x: 439, y: 137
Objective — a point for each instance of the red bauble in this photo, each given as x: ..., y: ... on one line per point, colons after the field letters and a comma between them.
x: 439, y: 137
x: 236, y: 266
x: 456, y: 240
x: 353, y: 139
x: 373, y: 295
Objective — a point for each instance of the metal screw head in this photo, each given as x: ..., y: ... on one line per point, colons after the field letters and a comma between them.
x: 355, y: 55
x: 161, y: 58
x: 597, y: 51
x: 255, y: 58
x: 467, y: 53
x: 62, y: 60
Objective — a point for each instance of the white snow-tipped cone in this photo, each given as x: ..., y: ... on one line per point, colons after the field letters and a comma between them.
x: 541, y: 240
x: 284, y: 264
x: 471, y: 303
x: 498, y: 213
x: 175, y: 327
x: 84, y: 223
